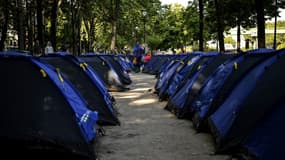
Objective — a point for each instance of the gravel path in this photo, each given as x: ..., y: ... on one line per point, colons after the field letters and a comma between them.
x: 148, y: 132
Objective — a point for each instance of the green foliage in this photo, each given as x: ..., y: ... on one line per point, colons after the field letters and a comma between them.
x: 165, y: 26
x: 230, y: 40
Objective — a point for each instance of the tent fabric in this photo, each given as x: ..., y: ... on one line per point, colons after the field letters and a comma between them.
x: 221, y: 83
x: 155, y: 64
x: 230, y: 122
x: 42, y: 112
x: 86, y: 85
x: 181, y: 76
x: 122, y: 74
x: 266, y: 141
x: 177, y: 103
x: 169, y: 70
x: 173, y: 72
x: 105, y: 71
x: 178, y: 77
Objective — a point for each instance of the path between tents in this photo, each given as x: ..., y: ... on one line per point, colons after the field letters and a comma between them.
x: 148, y: 132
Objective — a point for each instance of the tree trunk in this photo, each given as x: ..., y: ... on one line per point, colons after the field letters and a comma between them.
x: 87, y: 26
x: 114, y: 24
x: 220, y: 25
x: 114, y: 35
x: 40, y: 24
x: 238, y: 34
x: 5, y: 26
x: 259, y: 5
x: 21, y: 27
x: 275, y: 25
x: 30, y: 29
x: 91, y: 34
x: 201, y: 25
x: 54, y: 24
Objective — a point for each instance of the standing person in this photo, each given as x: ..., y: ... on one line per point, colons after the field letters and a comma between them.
x: 49, y: 48
x: 138, y: 52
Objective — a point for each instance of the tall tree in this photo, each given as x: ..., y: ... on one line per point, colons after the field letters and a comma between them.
x: 115, y: 16
x: 4, y: 28
x: 201, y: 25
x: 40, y: 34
x: 20, y: 25
x: 275, y: 23
x: 53, y: 29
x: 259, y: 6
x: 220, y: 24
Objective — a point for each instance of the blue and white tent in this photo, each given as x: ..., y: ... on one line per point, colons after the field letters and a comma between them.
x: 88, y: 83
x: 42, y: 112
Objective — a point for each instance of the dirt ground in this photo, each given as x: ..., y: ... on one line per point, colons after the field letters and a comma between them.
x: 148, y: 132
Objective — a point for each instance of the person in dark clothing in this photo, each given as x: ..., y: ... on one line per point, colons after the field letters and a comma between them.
x: 138, y: 53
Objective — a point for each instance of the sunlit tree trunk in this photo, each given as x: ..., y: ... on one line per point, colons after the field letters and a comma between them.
x: 115, y: 16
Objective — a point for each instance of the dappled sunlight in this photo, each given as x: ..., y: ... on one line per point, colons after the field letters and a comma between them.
x: 143, y: 101
x: 142, y: 84
x: 129, y: 96
x: 141, y: 89
x: 137, y: 121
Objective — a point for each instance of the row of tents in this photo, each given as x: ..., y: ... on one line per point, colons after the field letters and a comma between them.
x: 238, y: 98
x: 52, y: 105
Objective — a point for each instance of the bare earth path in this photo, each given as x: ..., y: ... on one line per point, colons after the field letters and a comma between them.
x: 148, y: 132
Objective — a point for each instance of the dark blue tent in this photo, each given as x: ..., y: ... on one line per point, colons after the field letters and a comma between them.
x: 178, y: 101
x: 158, y: 66
x: 220, y: 83
x: 123, y: 74
x: 175, y: 73
x: 168, y: 71
x: 43, y: 116
x: 87, y: 83
x: 181, y: 101
x: 180, y: 78
x: 105, y: 71
x: 249, y: 101
x: 266, y: 141
x: 154, y: 64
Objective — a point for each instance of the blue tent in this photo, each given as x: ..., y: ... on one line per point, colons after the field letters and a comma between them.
x: 177, y: 102
x: 86, y: 81
x: 180, y: 78
x: 220, y: 83
x: 153, y: 65
x: 169, y: 70
x: 249, y: 101
x: 266, y: 140
x: 172, y: 78
x: 105, y: 71
x: 42, y: 112
x: 122, y: 73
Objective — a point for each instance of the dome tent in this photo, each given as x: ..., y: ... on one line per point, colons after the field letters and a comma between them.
x: 87, y: 83
x: 43, y: 116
